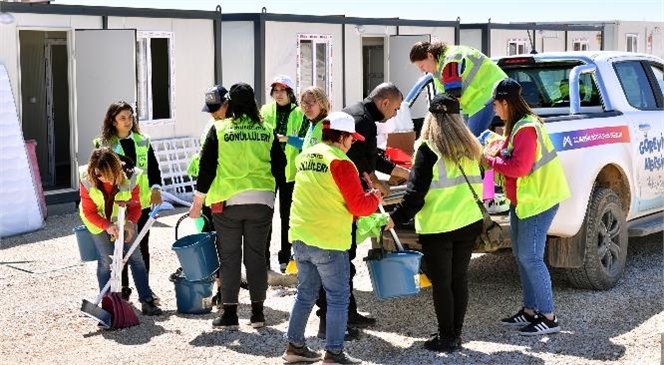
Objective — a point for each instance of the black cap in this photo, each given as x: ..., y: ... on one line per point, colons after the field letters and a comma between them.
x: 506, y: 89
x: 444, y: 104
x: 241, y: 93
x: 214, y: 98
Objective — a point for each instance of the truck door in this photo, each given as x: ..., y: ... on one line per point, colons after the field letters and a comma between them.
x: 642, y: 83
x: 105, y: 72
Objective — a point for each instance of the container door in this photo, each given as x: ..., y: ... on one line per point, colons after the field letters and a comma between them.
x: 402, y: 73
x: 105, y: 72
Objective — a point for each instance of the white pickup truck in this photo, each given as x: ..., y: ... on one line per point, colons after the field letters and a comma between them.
x: 604, y: 112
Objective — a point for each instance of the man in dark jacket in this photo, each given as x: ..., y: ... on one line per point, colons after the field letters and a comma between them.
x: 381, y: 105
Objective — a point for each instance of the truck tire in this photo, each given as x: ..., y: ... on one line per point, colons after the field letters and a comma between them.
x: 604, y: 236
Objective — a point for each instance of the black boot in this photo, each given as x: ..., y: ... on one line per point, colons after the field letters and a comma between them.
x: 149, y: 308
x: 228, y: 319
x: 126, y: 293
x: 257, y: 317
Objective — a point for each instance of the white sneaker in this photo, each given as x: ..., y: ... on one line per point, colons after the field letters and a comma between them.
x: 499, y: 204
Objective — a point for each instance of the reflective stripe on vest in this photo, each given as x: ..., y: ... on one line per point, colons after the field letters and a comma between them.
x: 319, y: 215
x: 477, y: 78
x: 244, y: 158
x: 97, y: 196
x: 295, y: 120
x: 142, y: 146
x: 545, y: 185
x: 449, y: 204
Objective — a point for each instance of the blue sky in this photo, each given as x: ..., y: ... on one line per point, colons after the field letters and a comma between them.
x: 470, y: 11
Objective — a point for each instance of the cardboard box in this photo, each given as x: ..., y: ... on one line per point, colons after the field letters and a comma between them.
x: 404, y: 141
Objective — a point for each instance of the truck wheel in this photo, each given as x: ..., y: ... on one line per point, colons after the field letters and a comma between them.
x: 604, y: 236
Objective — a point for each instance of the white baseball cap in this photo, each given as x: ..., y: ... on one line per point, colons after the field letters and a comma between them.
x: 340, y: 121
x: 284, y: 81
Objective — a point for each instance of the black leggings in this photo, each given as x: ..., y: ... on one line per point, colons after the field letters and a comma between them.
x: 285, y: 190
x: 145, y: 251
x: 447, y: 256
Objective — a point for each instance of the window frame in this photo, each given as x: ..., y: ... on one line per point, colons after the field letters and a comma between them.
x: 517, y: 42
x: 146, y: 63
x: 315, y: 39
x: 583, y: 44
x: 635, y: 42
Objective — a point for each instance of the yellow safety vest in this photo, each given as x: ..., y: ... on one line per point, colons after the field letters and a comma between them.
x: 477, y: 80
x: 319, y: 215
x: 313, y: 136
x: 295, y: 119
x: 449, y: 204
x: 142, y: 144
x: 97, y: 196
x: 545, y: 185
x: 194, y: 163
x: 244, y: 159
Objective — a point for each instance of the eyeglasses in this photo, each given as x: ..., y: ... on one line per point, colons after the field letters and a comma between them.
x: 309, y: 103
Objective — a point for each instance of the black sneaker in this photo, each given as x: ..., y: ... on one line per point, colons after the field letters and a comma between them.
x: 299, y: 354
x: 518, y: 320
x: 282, y: 267
x: 227, y: 321
x: 540, y: 326
x: 339, y: 358
x: 125, y: 293
x: 438, y: 344
x: 257, y: 318
x: 149, y: 308
x: 360, y: 321
x: 351, y: 334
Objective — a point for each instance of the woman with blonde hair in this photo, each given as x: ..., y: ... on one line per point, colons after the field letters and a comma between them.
x: 447, y: 218
x: 316, y: 106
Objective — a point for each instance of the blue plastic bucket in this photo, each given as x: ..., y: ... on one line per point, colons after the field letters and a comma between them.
x: 396, y: 274
x: 193, y: 297
x: 198, y: 255
x: 86, y: 245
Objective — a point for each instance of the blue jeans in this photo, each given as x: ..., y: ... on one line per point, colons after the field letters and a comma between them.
x: 528, y: 242
x: 480, y: 121
x: 330, y: 268
x: 105, y: 252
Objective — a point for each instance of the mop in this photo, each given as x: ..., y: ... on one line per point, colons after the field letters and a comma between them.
x: 112, y: 315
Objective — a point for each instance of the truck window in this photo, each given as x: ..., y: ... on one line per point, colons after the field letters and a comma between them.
x: 544, y: 87
x: 659, y: 75
x: 635, y: 85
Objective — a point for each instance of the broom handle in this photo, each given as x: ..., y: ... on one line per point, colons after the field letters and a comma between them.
x: 131, y: 250
x: 367, y: 179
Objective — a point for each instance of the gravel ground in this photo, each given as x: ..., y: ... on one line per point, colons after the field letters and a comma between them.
x: 41, y: 322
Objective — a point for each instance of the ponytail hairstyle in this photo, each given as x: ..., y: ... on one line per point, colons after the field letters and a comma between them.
x: 421, y: 49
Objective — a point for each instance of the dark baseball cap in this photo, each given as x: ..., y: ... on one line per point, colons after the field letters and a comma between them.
x: 444, y: 104
x: 506, y: 89
x: 241, y: 93
x: 214, y: 98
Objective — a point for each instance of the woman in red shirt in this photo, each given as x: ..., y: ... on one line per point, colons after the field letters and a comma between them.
x: 104, y: 186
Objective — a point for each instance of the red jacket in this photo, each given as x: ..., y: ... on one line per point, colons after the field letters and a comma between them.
x: 91, y: 212
x: 519, y: 163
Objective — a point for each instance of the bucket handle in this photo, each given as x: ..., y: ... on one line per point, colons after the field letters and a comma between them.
x: 185, y: 216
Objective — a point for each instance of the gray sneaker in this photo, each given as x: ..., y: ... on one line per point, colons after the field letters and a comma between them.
x: 340, y: 358
x: 299, y: 354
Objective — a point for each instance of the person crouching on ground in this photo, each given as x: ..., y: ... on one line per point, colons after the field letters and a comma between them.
x: 103, y: 185
x: 239, y: 161
x: 447, y: 218
x: 327, y: 195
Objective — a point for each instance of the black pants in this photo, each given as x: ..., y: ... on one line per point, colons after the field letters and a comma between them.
x: 447, y: 256
x: 145, y: 250
x: 285, y: 190
x: 321, y: 302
